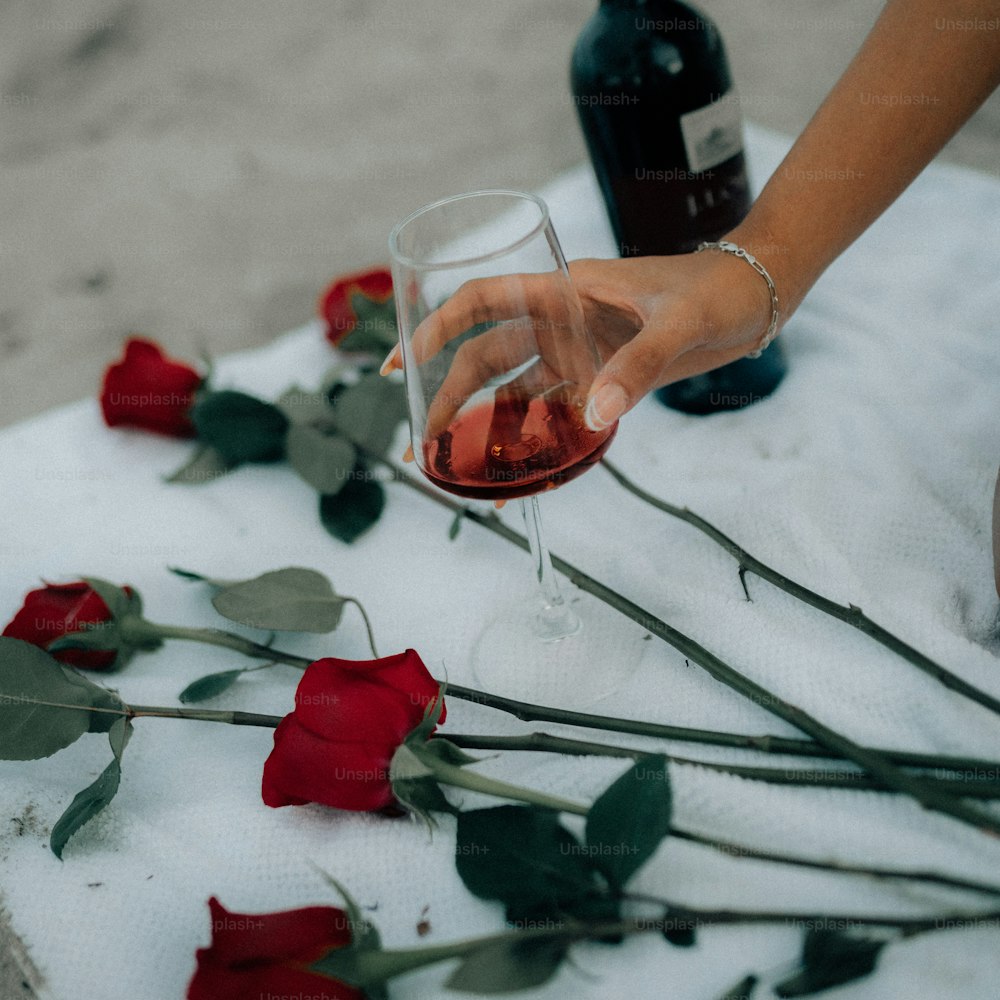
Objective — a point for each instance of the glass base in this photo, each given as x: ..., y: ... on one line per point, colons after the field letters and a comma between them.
x: 731, y: 387
x: 513, y: 658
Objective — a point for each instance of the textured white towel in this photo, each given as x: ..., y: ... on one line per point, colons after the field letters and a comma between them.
x: 867, y: 476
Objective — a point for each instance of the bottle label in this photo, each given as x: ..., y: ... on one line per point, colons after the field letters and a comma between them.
x: 714, y: 133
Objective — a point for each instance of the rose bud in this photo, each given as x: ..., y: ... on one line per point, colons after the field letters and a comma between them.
x: 339, y: 305
x: 56, y: 610
x: 147, y: 389
x: 350, y: 717
x: 254, y: 956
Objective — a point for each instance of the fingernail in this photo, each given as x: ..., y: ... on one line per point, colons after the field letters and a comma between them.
x: 605, y: 406
x: 408, y: 454
x: 391, y: 362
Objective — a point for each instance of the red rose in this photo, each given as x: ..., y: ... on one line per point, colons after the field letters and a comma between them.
x: 254, y: 956
x: 55, y: 611
x: 349, y: 719
x: 336, y: 306
x: 147, y: 389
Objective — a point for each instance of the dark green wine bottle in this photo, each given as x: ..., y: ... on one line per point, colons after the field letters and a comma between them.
x: 662, y: 122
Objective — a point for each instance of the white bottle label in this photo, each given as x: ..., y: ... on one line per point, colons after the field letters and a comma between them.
x: 714, y: 133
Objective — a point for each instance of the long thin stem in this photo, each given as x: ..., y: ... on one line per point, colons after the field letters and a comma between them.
x: 470, y: 780
x: 459, y: 777
x: 850, y: 614
x: 853, y: 780
x: 377, y: 966
x: 368, y: 624
x: 229, y: 640
x: 735, y: 850
x: 544, y: 742
x: 204, y: 715
x: 966, y: 768
x: 872, y: 761
x: 963, y: 767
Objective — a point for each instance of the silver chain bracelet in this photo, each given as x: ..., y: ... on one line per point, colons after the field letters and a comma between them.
x: 738, y: 251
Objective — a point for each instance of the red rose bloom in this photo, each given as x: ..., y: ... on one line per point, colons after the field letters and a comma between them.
x: 335, y: 304
x: 349, y: 719
x: 147, y: 389
x: 58, y: 609
x: 254, y: 956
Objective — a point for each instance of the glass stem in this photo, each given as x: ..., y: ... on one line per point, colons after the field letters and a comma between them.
x: 555, y: 620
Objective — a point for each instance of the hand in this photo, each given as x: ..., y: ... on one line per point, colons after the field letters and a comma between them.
x: 655, y: 320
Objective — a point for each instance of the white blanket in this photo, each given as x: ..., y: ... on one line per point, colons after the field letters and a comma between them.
x: 868, y: 476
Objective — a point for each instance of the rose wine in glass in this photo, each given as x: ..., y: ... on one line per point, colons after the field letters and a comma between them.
x: 498, y: 363
x: 513, y: 447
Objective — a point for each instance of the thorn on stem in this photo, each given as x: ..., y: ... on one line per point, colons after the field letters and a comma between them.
x: 743, y: 580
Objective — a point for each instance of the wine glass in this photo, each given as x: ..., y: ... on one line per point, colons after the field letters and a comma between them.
x: 498, y: 362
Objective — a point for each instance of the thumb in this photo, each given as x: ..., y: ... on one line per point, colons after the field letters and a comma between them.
x: 632, y: 371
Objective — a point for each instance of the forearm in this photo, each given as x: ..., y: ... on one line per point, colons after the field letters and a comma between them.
x: 921, y: 73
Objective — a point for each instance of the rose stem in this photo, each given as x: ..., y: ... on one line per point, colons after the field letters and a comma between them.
x: 852, y: 780
x: 215, y: 637
x: 850, y: 614
x: 203, y: 715
x: 377, y: 966
x: 553, y: 744
x: 872, y: 761
x: 489, y: 786
x: 140, y: 629
x: 764, y: 743
x: 540, y: 713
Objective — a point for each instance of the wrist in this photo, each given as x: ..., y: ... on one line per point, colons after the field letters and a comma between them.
x: 773, y: 309
x: 778, y: 258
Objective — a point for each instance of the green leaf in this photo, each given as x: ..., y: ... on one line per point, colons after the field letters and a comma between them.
x: 376, y: 326
x: 30, y: 677
x: 509, y: 964
x: 240, y: 427
x: 626, y: 824
x: 209, y: 686
x: 302, y: 406
x: 370, y: 411
x: 456, y: 525
x: 324, y: 461
x: 830, y: 958
x: 743, y: 990
x: 88, y: 803
x: 350, y: 513
x: 285, y: 600
x: 521, y: 856
x: 204, y: 466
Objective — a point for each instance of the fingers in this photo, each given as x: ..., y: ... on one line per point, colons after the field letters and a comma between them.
x: 491, y: 300
x: 634, y: 370
x: 392, y: 361
x: 482, y: 300
x: 476, y: 362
